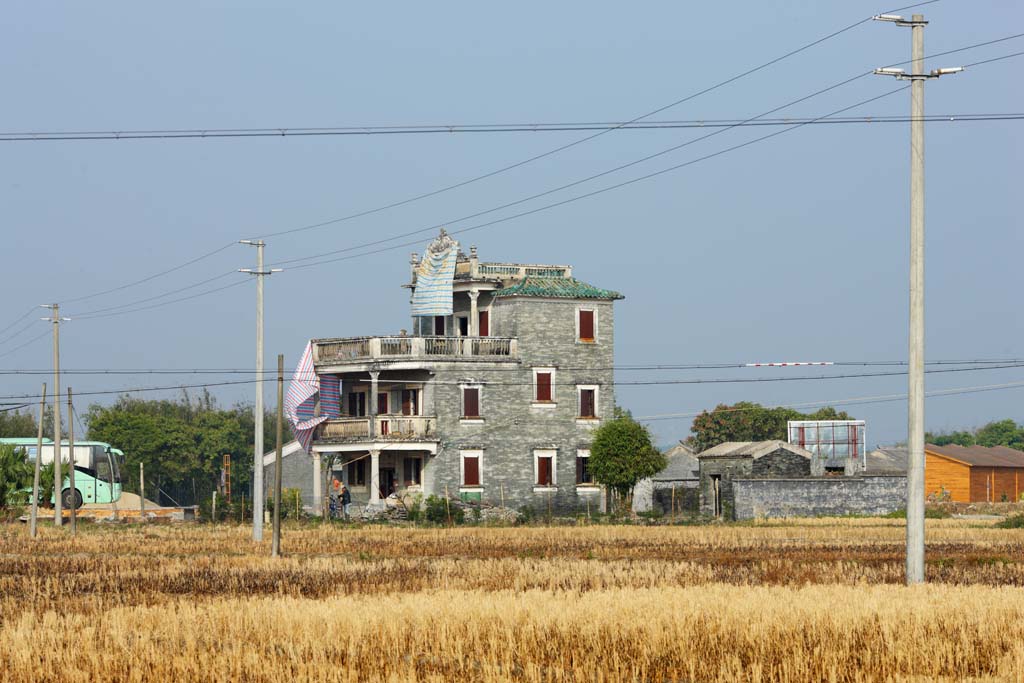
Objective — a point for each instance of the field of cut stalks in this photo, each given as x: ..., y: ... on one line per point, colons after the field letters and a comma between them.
x: 819, y: 600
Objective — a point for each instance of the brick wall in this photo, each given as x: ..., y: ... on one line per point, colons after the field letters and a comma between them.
x: 814, y: 497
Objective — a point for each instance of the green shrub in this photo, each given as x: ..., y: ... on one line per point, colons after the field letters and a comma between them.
x: 437, y: 511
x: 1011, y: 522
x: 291, y: 501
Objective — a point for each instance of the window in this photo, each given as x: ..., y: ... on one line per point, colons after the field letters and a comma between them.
x: 485, y: 324
x: 382, y: 403
x: 439, y: 326
x: 410, y: 402
x: 470, y: 402
x: 357, y: 473
x: 544, y: 467
x: 543, y: 385
x: 357, y: 404
x: 412, y: 469
x: 586, y: 325
x: 463, y: 326
x: 583, y: 476
x: 471, y: 468
x: 588, y: 402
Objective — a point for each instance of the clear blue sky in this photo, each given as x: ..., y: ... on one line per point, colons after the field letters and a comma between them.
x: 791, y: 249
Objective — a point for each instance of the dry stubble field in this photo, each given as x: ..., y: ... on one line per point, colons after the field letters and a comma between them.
x: 817, y: 600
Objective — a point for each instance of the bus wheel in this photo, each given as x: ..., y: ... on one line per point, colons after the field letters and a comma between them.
x: 66, y: 499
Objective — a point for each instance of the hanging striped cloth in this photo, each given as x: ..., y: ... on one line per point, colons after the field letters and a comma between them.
x: 300, y: 402
x: 435, y: 278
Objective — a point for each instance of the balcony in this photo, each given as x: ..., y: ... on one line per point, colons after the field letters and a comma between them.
x: 355, y: 350
x: 387, y: 428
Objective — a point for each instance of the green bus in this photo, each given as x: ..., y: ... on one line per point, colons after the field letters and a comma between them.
x: 97, y: 469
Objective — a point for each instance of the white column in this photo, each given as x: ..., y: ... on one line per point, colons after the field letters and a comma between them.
x: 474, y: 314
x: 371, y: 409
x: 318, y: 481
x: 374, y: 477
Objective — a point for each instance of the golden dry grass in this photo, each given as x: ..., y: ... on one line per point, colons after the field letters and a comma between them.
x: 814, y: 601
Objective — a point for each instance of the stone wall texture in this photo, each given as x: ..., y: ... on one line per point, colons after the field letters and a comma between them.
x: 513, y: 425
x: 818, y: 497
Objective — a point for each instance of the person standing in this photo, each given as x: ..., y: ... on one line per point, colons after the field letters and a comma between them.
x: 346, y: 501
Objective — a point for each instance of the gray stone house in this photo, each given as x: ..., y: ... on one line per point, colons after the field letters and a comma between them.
x: 721, y: 465
x: 746, y: 480
x: 675, y: 485
x: 496, y: 402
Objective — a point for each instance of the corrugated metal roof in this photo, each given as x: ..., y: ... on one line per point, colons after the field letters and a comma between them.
x: 557, y: 287
x: 981, y: 456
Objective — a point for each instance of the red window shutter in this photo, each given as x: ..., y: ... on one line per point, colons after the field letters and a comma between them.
x: 471, y: 471
x: 587, y: 403
x: 471, y: 402
x: 543, y: 386
x: 586, y: 326
x: 544, y: 470
x: 409, y: 402
x: 382, y: 404
x: 485, y: 323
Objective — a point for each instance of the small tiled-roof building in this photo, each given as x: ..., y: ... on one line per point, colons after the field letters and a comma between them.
x: 974, y: 474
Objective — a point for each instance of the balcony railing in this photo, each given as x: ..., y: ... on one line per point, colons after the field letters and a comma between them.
x: 386, y: 428
x: 516, y: 271
x: 329, y: 351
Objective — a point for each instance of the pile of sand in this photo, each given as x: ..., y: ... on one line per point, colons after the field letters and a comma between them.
x: 128, y: 501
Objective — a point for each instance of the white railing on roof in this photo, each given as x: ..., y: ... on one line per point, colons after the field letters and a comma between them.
x: 519, y: 271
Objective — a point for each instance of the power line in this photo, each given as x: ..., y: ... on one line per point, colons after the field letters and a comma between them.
x: 530, y: 383
x: 21, y: 346
x: 518, y: 164
x: 1009, y: 362
x: 847, y: 401
x: 536, y: 210
x: 451, y: 129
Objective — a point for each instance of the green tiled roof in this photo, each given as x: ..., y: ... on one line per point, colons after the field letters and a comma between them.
x: 557, y: 287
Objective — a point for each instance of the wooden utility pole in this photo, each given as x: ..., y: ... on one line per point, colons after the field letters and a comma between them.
x: 142, y: 492
x: 58, y: 477
x: 72, y: 491
x: 35, y: 475
x: 275, y: 547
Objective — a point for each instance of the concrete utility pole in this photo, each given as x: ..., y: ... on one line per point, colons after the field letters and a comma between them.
x: 39, y: 456
x: 71, y: 464
x: 58, y: 477
x: 257, y: 470
x: 276, y: 542
x: 915, y: 370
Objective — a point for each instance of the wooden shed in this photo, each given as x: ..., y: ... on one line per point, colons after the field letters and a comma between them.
x: 974, y: 474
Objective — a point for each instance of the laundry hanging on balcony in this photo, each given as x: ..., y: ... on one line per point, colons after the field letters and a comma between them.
x: 300, y: 402
x: 435, y: 277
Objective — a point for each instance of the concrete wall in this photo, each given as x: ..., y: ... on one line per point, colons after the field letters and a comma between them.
x: 813, y: 497
x: 687, y: 497
x: 512, y: 425
x: 296, y: 473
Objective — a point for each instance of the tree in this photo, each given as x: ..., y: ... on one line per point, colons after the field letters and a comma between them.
x: 15, y: 424
x: 621, y: 454
x: 996, y: 433
x: 181, y: 443
x: 15, y: 476
x: 746, y: 421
